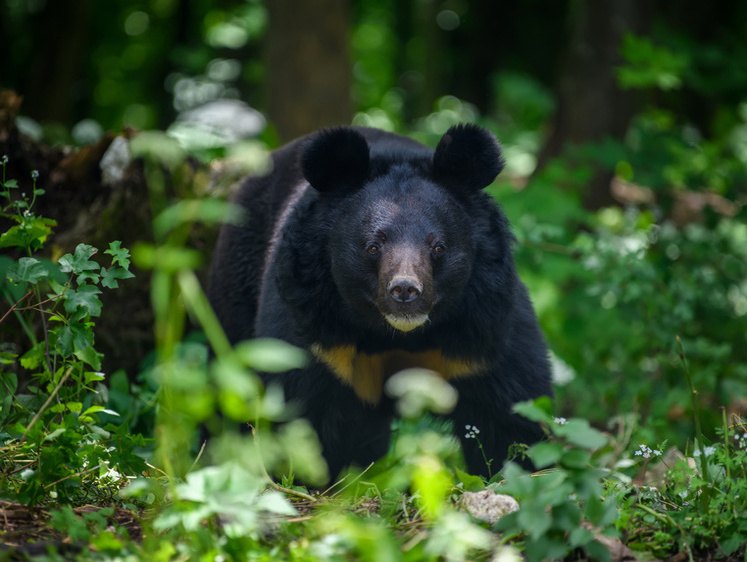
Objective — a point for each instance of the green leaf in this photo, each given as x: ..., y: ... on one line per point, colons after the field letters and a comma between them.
x: 9, y: 382
x: 90, y: 377
x: 85, y: 298
x: 576, y: 458
x: 165, y: 258
x: 578, y: 432
x: 120, y: 256
x: 109, y: 277
x: 87, y: 276
x: 157, y: 147
x: 471, y: 483
x: 208, y: 211
x: 90, y: 356
x: 26, y: 270
x: 74, y: 406
x: 270, y: 355
x: 580, y: 536
x: 80, y: 261
x: 31, y: 233
x: 7, y: 358
x: 53, y: 435
x: 73, y: 337
x: 534, y: 519
x: 97, y: 409
x: 34, y: 357
x: 545, y: 453
x: 64, y: 343
x: 539, y: 410
x: 13, y: 184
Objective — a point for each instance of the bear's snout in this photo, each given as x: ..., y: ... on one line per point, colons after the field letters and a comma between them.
x: 404, y: 289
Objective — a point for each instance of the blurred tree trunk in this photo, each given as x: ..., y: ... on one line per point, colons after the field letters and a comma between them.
x: 53, y: 86
x: 591, y: 105
x: 309, y: 74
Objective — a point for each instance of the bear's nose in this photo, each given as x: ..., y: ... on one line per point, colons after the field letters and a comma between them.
x: 404, y: 290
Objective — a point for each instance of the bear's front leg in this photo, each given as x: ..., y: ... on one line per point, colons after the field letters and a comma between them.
x: 487, y: 428
x: 351, y: 431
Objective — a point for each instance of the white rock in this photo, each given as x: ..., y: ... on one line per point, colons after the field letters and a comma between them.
x: 487, y: 505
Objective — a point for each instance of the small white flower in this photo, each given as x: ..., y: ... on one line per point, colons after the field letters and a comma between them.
x: 646, y: 452
x: 560, y: 421
x: 34, y: 174
x: 472, y: 431
x: 5, y: 159
x: 708, y: 452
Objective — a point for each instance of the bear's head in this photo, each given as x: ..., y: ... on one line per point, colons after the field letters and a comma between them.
x: 401, y: 219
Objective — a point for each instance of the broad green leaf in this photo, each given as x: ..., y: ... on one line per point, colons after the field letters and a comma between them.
x: 80, y: 261
x: 545, y: 453
x: 90, y: 356
x: 74, y: 406
x: 90, y: 377
x: 576, y: 458
x: 64, y: 343
x: 539, y: 410
x: 109, y: 277
x: 207, y: 211
x: 34, y: 357
x: 579, y: 537
x: 578, y: 432
x: 534, y: 519
x: 471, y: 483
x: 13, y: 184
x: 85, y: 298
x: 270, y: 355
x: 31, y: 233
x: 27, y: 270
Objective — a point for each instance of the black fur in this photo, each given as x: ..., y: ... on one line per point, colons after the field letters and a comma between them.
x: 323, y: 284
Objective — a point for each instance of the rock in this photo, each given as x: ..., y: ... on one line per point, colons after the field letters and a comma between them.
x: 487, y: 505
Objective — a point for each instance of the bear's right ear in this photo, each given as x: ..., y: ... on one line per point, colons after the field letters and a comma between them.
x: 336, y: 159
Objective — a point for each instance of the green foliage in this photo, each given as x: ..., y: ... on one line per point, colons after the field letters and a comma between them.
x: 691, y: 510
x: 55, y: 442
x: 562, y: 507
x: 650, y: 65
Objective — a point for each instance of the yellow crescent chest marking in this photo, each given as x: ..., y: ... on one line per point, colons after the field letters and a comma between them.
x: 366, y: 373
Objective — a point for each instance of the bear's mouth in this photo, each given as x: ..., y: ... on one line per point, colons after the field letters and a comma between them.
x: 406, y: 322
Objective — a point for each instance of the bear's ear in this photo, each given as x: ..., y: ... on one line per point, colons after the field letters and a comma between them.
x: 467, y: 158
x: 336, y: 159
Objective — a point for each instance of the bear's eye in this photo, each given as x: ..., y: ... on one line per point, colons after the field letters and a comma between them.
x: 439, y: 248
x: 373, y: 249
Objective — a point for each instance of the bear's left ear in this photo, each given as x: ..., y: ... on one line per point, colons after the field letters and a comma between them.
x: 467, y: 158
x: 336, y: 159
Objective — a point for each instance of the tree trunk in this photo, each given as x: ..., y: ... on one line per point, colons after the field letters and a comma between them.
x: 54, y: 78
x: 308, y: 67
x: 591, y: 105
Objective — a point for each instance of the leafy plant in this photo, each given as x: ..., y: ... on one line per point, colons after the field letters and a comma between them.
x: 561, y: 507
x: 53, y: 439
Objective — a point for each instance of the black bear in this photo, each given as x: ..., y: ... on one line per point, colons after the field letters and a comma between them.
x: 376, y: 254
